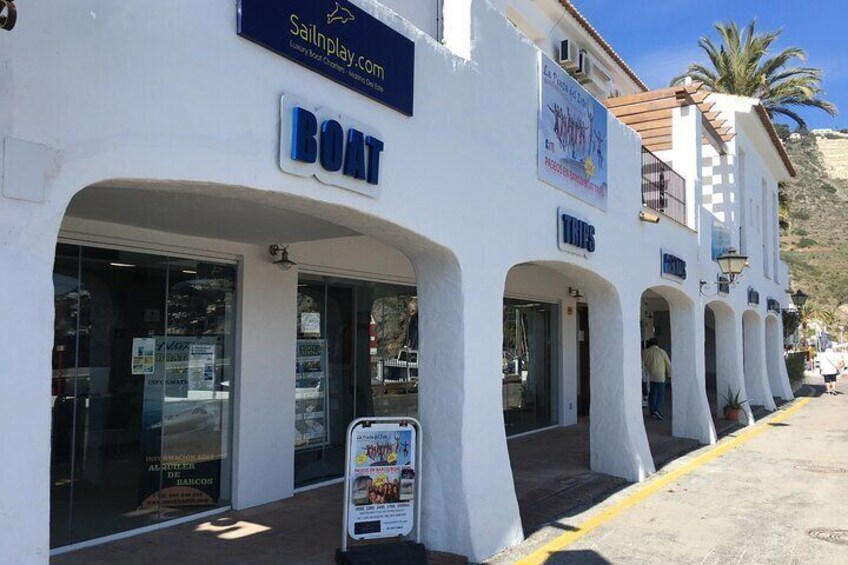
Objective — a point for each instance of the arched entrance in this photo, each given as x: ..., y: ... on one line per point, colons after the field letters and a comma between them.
x: 723, y: 363
x: 352, y: 328
x: 560, y: 323
x: 753, y: 353
x: 680, y: 409
x: 775, y: 363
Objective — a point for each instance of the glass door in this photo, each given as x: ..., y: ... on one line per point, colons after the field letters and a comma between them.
x: 325, y: 387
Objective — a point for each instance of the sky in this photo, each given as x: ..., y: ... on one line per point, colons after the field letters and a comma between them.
x: 659, y: 38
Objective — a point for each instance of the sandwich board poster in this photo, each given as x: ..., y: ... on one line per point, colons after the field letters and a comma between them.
x: 572, y: 136
x: 381, y: 471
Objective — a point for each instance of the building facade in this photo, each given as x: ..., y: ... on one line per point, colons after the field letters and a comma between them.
x: 157, y: 364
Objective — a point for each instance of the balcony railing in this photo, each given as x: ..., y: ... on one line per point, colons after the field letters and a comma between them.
x: 662, y: 188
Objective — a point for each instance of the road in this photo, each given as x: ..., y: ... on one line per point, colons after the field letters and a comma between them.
x: 773, y: 493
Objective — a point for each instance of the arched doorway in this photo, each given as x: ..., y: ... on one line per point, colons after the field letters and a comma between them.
x: 775, y: 363
x: 754, y: 363
x: 330, y: 338
x: 678, y: 408
x: 556, y: 468
x: 723, y: 363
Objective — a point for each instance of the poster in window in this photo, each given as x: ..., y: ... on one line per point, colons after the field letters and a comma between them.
x: 310, y: 393
x: 183, y: 423
x: 143, y: 356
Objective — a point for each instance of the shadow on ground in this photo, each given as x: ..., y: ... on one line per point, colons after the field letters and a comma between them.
x: 576, y: 557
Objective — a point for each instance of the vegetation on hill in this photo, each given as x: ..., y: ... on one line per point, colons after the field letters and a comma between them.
x: 814, y: 242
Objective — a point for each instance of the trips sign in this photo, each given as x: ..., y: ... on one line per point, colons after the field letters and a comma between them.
x: 338, y: 40
x: 574, y: 233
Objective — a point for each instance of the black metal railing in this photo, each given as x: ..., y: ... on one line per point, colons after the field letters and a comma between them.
x: 662, y: 188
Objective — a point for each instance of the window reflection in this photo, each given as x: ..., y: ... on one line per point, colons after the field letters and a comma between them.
x: 142, y: 354
x: 527, y: 386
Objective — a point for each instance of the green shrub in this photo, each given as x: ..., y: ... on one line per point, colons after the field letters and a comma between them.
x: 800, y: 214
x: 800, y: 231
x: 830, y: 189
x: 806, y: 242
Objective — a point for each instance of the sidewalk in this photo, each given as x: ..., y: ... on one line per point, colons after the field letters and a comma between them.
x: 778, y: 497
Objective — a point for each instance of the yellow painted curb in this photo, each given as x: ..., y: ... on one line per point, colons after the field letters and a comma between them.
x: 559, y: 543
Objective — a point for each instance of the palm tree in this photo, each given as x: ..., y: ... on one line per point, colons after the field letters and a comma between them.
x: 741, y: 65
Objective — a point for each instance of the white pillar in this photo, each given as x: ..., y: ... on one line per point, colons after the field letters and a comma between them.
x: 730, y: 372
x: 775, y: 364
x: 27, y: 251
x: 686, y: 140
x: 263, y: 462
x: 469, y: 503
x: 690, y: 410
x: 756, y: 380
x: 568, y: 362
x: 617, y: 438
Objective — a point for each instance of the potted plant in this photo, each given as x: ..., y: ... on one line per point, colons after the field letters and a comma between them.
x: 732, y: 405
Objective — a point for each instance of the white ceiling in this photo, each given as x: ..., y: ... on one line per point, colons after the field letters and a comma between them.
x: 201, y: 215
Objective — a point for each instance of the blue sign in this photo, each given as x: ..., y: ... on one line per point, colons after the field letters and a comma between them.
x: 773, y: 305
x: 674, y: 266
x: 336, y: 149
x: 753, y: 296
x: 338, y: 40
x: 575, y: 233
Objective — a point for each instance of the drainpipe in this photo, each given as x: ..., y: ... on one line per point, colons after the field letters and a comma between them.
x: 439, y: 20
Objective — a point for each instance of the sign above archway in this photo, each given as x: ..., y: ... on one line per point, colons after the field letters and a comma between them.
x: 337, y: 39
x: 572, y: 136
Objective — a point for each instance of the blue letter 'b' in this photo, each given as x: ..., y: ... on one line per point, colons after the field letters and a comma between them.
x: 304, y: 128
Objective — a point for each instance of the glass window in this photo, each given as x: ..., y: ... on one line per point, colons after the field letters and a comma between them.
x: 142, y: 372
x: 528, y: 388
x: 357, y: 355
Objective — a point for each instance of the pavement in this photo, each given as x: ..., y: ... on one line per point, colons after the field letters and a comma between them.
x: 773, y: 493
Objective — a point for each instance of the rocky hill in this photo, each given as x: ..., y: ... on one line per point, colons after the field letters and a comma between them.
x: 815, y: 243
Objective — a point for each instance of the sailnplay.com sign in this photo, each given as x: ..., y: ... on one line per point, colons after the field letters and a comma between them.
x: 338, y: 40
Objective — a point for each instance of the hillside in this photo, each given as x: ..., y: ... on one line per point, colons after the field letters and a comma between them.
x: 815, y: 245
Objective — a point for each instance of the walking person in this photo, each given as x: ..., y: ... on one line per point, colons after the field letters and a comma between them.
x: 830, y: 368
x: 657, y: 365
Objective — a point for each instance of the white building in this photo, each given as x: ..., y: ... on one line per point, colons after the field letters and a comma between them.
x: 156, y: 364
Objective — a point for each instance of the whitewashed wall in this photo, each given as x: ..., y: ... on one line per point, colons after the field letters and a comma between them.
x: 96, y: 91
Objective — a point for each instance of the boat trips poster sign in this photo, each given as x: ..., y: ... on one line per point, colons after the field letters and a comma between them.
x: 382, y: 481
x: 572, y: 136
x: 338, y: 40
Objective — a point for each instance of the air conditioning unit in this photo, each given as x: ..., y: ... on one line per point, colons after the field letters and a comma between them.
x: 584, y: 67
x: 568, y: 55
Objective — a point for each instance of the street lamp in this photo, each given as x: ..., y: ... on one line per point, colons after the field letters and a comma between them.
x: 731, y: 264
x: 799, y: 298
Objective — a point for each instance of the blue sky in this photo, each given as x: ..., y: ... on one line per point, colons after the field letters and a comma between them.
x: 659, y: 38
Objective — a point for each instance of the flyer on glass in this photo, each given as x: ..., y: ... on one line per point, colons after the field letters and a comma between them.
x: 382, y: 474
